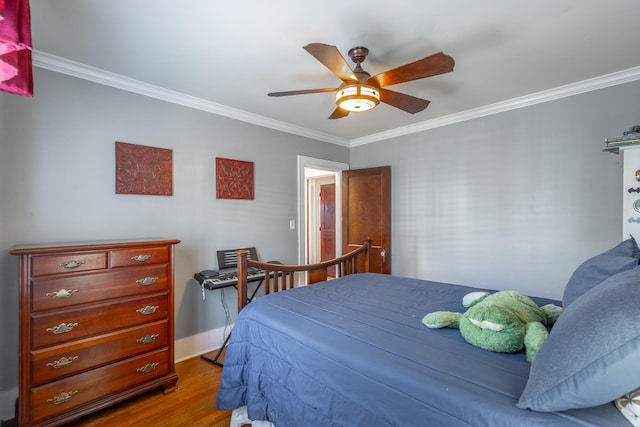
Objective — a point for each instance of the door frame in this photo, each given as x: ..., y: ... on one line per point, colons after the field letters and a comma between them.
x: 303, y: 237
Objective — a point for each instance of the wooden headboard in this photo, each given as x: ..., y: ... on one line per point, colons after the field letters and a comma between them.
x: 279, y: 277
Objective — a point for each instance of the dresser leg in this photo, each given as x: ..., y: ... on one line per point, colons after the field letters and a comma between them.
x: 170, y: 385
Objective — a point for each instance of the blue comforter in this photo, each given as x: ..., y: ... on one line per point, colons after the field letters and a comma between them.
x: 353, y: 352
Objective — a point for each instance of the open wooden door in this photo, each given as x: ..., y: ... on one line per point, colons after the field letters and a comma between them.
x: 366, y: 214
x: 328, y: 225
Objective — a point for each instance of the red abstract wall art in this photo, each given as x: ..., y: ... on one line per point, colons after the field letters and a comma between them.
x: 143, y: 170
x: 234, y: 179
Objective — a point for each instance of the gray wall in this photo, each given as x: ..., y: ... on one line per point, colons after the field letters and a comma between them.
x: 57, y: 184
x: 510, y: 201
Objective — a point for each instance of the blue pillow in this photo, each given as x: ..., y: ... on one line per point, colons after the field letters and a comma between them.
x: 628, y: 247
x: 595, y: 270
x: 592, y: 354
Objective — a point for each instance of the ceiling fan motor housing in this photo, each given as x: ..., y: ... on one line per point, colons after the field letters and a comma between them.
x: 358, y: 54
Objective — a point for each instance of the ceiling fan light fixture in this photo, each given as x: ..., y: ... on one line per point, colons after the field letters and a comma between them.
x: 357, y: 97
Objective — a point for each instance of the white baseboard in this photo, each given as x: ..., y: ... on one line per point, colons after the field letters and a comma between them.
x: 198, y: 344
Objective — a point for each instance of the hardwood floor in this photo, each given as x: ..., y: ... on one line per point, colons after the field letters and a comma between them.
x: 192, y: 405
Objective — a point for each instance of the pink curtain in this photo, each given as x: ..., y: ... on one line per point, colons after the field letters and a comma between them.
x: 16, y: 75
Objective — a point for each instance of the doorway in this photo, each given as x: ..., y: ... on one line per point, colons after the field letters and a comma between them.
x: 314, y: 176
x: 321, y: 216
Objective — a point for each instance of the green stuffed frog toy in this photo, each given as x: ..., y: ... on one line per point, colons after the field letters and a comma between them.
x: 505, y: 321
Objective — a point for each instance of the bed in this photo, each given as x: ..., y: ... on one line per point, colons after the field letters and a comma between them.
x: 353, y: 352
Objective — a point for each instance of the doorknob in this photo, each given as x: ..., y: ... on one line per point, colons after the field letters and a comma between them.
x: 383, y: 254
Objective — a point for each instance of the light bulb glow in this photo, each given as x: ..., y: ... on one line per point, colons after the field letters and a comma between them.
x: 357, y: 97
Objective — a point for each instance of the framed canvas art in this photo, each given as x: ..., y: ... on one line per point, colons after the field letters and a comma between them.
x: 234, y: 179
x: 143, y: 170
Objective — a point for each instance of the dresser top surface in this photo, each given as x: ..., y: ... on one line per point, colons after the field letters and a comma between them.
x: 27, y: 249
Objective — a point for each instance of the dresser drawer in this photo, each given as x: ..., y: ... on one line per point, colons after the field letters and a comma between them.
x: 66, y: 394
x: 65, y: 360
x: 64, y: 263
x: 64, y: 291
x: 63, y: 326
x: 138, y: 256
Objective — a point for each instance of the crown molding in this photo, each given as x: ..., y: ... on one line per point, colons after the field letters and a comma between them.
x: 97, y: 75
x: 82, y: 71
x: 613, y: 79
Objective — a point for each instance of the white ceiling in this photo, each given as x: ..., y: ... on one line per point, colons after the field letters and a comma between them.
x: 224, y: 56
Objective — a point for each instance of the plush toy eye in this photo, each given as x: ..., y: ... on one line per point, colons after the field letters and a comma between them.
x: 473, y: 297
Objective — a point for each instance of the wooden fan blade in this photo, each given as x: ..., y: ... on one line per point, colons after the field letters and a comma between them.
x: 330, y: 57
x: 405, y: 102
x: 339, y: 113
x: 433, y: 65
x: 302, y: 92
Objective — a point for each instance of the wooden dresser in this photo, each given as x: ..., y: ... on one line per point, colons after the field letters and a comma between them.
x: 96, y: 326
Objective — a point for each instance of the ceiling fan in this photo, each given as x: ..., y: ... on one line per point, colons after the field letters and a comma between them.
x: 361, y: 92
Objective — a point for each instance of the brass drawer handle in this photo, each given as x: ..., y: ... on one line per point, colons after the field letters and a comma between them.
x: 62, y: 397
x: 70, y: 265
x: 147, y: 281
x: 62, y: 362
x: 141, y: 258
x: 62, y: 293
x: 148, y: 368
x: 62, y: 328
x: 150, y: 309
x: 147, y: 339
